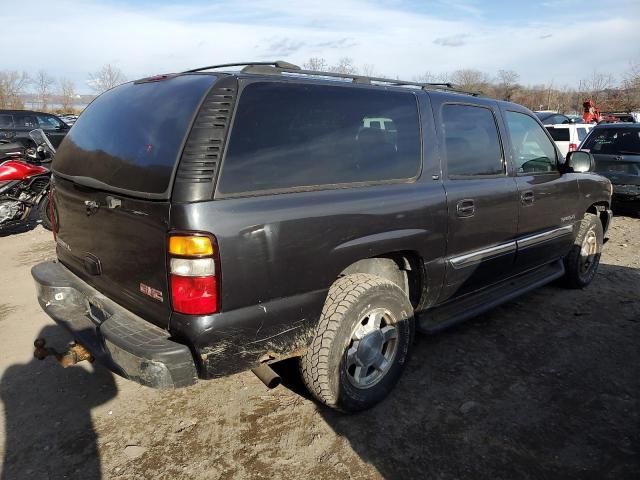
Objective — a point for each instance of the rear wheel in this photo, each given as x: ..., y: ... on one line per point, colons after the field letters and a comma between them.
x: 361, y: 344
x: 581, y: 264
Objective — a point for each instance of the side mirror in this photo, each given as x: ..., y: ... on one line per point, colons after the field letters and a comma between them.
x: 580, y: 161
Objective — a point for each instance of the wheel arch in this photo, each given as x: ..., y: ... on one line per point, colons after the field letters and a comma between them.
x: 602, y: 211
x: 404, y: 268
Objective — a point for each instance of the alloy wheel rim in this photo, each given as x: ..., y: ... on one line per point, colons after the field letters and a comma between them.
x: 588, y: 252
x: 372, y: 348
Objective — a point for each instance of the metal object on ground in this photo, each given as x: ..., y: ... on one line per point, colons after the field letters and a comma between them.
x: 267, y: 376
x: 75, y: 353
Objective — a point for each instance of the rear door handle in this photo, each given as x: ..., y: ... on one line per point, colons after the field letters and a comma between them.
x: 465, y: 208
x: 528, y: 197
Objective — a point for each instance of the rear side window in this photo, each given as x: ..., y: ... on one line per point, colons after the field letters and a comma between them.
x: 288, y: 136
x: 6, y: 121
x: 25, y: 121
x: 614, y: 141
x: 130, y: 137
x: 48, y: 122
x: 559, y: 134
x: 471, y: 141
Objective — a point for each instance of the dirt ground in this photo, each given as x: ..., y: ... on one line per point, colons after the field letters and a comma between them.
x: 547, y: 386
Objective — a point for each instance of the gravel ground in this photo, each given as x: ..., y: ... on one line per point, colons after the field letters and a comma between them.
x: 546, y: 386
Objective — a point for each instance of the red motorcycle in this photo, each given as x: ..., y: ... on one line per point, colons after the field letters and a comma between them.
x: 24, y: 182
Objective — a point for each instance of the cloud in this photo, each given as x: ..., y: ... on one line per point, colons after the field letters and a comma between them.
x: 452, y: 41
x: 284, y: 47
x: 398, y: 37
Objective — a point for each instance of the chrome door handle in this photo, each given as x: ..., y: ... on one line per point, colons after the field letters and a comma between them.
x: 528, y: 197
x: 465, y: 208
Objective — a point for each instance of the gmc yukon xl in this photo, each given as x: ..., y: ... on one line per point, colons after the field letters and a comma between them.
x: 221, y: 220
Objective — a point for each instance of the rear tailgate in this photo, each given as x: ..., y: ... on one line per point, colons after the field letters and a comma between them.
x: 117, y: 245
x: 620, y: 169
x: 113, y: 177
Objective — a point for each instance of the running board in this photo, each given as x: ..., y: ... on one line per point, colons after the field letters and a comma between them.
x: 452, y: 313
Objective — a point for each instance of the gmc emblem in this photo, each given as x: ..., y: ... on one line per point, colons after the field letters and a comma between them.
x: 150, y: 291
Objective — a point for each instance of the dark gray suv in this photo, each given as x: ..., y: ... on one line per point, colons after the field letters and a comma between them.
x: 213, y: 221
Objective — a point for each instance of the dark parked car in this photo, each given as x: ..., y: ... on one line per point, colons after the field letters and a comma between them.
x: 208, y: 223
x: 616, y: 149
x: 15, y: 125
x: 553, y: 118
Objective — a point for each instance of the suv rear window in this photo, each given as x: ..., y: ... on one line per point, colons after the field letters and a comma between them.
x: 130, y: 137
x: 614, y: 141
x: 300, y: 136
x: 559, y: 134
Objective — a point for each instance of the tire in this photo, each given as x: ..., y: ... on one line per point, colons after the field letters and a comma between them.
x: 581, y: 264
x: 43, y: 212
x: 366, y: 320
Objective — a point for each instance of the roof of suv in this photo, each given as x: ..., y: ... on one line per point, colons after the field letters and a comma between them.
x: 294, y: 72
x: 617, y: 125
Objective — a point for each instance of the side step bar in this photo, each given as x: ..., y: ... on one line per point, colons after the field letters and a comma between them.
x: 457, y: 311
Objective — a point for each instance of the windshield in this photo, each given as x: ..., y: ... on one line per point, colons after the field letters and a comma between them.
x: 614, y: 141
x: 130, y: 137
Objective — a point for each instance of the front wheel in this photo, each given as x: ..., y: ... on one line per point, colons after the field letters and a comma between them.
x: 581, y: 264
x: 43, y: 212
x: 361, y: 343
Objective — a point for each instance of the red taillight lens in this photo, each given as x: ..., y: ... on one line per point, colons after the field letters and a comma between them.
x: 194, y: 295
x: 573, y: 147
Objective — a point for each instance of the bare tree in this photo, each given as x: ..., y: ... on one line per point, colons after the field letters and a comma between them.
x: 67, y: 94
x: 630, y: 88
x: 507, y: 84
x: 594, y: 87
x: 368, y: 70
x: 430, y: 77
x: 12, y: 86
x: 470, y: 79
x: 43, y: 83
x: 316, y: 63
x: 106, y: 78
x: 345, y: 65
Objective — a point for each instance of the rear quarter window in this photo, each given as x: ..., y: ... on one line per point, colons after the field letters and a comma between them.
x: 559, y: 134
x: 303, y: 136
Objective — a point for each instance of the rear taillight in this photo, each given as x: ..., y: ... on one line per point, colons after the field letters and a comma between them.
x: 573, y: 147
x: 192, y: 274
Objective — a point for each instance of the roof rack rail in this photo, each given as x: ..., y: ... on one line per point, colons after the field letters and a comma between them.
x: 276, y: 68
x: 277, y: 64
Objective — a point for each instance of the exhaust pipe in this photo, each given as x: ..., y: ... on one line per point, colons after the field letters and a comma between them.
x: 267, y: 375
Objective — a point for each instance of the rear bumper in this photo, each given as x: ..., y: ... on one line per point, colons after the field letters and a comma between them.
x: 124, y: 342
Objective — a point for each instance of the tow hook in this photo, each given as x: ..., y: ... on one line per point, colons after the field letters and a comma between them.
x: 74, y: 354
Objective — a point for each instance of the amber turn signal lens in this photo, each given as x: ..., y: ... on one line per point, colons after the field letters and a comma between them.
x: 190, y: 245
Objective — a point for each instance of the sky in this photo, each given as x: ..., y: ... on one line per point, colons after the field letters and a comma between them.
x: 554, y: 42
